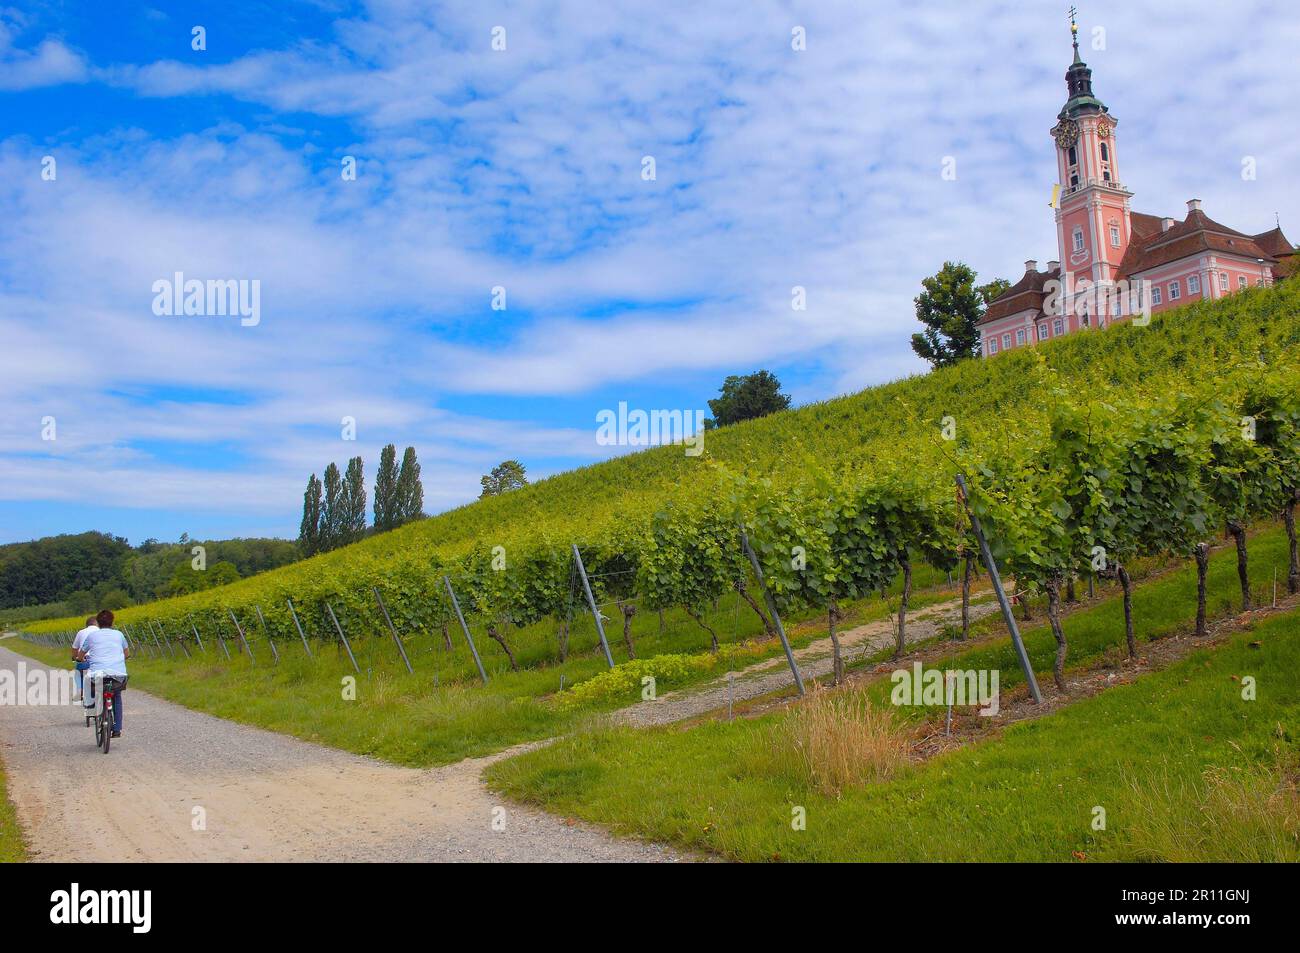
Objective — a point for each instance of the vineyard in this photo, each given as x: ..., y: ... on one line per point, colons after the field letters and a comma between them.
x: 1080, y: 457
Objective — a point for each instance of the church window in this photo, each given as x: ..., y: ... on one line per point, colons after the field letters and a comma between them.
x: 1074, y: 156
x: 1114, y: 234
x: 1078, y: 239
x: 1105, y: 152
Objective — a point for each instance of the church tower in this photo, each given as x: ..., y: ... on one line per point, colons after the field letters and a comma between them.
x: 1093, y: 227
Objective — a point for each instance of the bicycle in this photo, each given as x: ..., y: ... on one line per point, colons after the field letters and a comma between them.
x: 105, y: 698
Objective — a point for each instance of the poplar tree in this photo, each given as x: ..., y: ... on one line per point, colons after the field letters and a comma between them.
x: 386, y: 490
x: 352, y: 519
x: 410, y: 492
x: 309, y: 530
x: 331, y: 516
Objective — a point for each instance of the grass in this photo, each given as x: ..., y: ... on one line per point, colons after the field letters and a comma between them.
x: 12, y: 848
x: 1177, y: 757
x: 442, y: 713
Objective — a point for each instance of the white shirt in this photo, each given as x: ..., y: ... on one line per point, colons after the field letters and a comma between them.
x: 105, y: 651
x: 79, y: 639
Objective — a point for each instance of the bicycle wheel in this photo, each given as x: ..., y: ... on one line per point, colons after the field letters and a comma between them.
x: 105, y: 731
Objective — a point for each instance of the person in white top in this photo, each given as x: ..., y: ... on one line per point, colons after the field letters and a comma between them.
x: 77, y: 642
x: 106, y: 650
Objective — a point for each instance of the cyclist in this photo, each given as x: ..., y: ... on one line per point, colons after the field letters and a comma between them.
x: 106, y: 651
x: 77, y: 641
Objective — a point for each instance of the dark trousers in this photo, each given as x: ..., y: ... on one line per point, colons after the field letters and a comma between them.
x: 118, y: 692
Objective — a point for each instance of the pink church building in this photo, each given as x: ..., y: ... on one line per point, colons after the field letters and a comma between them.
x: 1147, y: 262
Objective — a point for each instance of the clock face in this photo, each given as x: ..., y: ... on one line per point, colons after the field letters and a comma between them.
x: 1066, y: 133
x: 1103, y: 130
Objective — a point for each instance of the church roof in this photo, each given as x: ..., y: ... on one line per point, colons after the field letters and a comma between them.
x: 1026, y: 293
x: 1152, y: 247
x: 1275, y: 243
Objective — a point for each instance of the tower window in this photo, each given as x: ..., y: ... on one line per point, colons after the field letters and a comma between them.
x: 1114, y: 234
x: 1078, y: 239
x: 1074, y: 156
x: 1105, y: 174
x: 1074, y: 183
x: 1105, y: 152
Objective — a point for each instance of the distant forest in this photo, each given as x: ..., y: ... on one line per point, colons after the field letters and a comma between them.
x: 58, y: 575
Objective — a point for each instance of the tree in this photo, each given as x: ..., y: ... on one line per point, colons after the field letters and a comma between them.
x: 386, y: 490
x: 331, y: 514
x: 309, y: 540
x: 352, y: 519
x: 951, y: 306
x: 505, y: 476
x: 410, y: 492
x: 745, y: 398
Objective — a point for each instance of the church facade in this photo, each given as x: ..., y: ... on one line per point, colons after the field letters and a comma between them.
x: 1115, y: 263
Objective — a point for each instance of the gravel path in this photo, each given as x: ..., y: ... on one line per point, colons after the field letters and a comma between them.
x: 264, y: 796
x: 815, y: 660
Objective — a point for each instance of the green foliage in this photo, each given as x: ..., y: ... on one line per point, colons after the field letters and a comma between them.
x: 386, y: 508
x: 309, y: 530
x: 504, y: 477
x: 410, y: 491
x: 746, y: 397
x: 951, y: 306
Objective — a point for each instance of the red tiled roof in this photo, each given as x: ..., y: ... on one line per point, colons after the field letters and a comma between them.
x: 1275, y: 243
x: 1025, y: 293
x: 1195, y: 234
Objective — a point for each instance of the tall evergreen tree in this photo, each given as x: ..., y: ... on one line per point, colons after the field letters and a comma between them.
x: 352, y: 519
x: 331, y: 515
x: 386, y: 490
x: 309, y: 529
x: 410, y: 491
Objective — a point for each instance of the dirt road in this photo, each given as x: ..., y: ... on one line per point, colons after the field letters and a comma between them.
x: 185, y: 786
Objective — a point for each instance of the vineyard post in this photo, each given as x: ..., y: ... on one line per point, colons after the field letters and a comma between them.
x: 141, y: 640
x: 222, y: 639
x: 393, y: 629
x: 154, y: 635
x: 180, y: 639
x: 197, y: 638
x: 591, y: 601
x: 996, y: 579
x: 346, y: 644
x: 771, y: 607
x: 267, y: 632
x: 242, y: 638
x: 171, y: 652
x: 298, y: 626
x: 455, y: 604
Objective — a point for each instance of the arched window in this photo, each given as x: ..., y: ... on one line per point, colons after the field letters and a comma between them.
x: 1074, y: 156
x: 1105, y: 152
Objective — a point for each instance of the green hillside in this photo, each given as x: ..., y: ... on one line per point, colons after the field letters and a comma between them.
x: 888, y: 428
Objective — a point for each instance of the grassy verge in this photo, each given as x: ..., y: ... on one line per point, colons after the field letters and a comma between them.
x: 1183, y: 767
x: 12, y: 849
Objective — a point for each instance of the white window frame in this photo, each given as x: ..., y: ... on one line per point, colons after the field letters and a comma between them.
x: 1020, y: 337
x: 1006, y: 341
x: 1058, y: 327
x: 1175, y: 290
x: 1223, y: 282
x: 1193, y: 284
x: 993, y: 345
x: 1042, y: 331
x: 1114, y: 235
x: 1242, y: 281
x: 1078, y: 238
x: 1155, y: 295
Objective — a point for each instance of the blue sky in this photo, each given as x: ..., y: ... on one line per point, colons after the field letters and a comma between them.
x: 521, y: 168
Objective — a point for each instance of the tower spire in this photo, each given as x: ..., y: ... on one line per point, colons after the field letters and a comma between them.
x: 1074, y: 34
